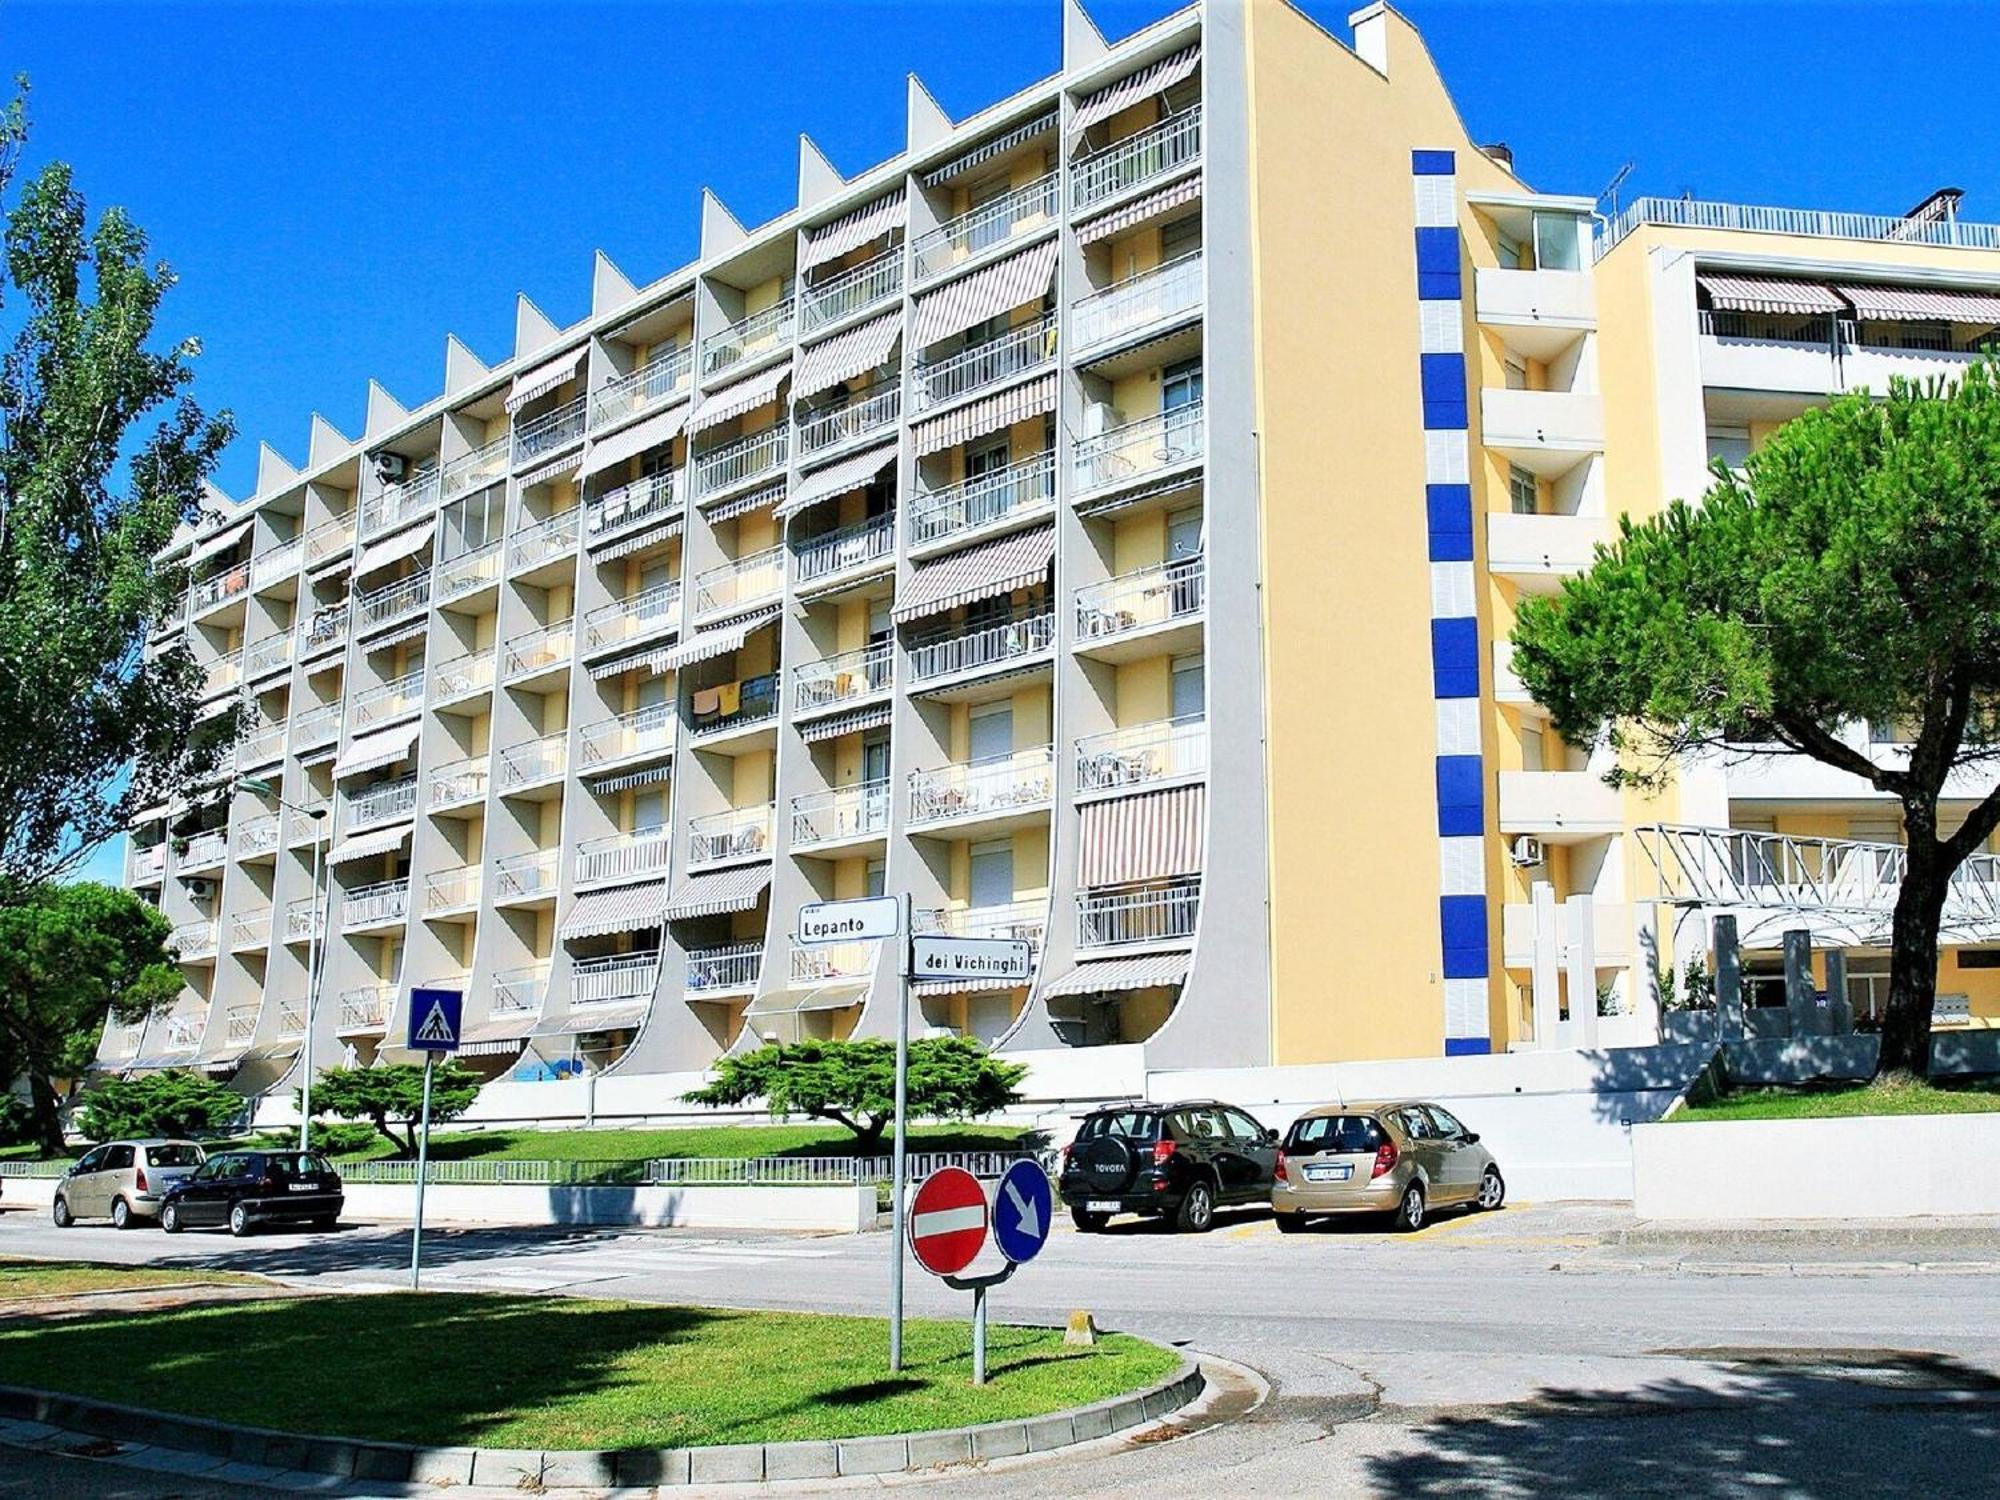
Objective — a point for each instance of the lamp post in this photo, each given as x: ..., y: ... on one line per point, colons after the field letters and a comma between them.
x: 263, y: 788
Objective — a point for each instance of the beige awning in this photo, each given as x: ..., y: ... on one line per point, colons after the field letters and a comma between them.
x: 1129, y: 90
x: 717, y: 891
x: 852, y: 721
x: 393, y: 549
x: 847, y: 354
x: 1036, y: 398
x: 835, y: 479
x: 923, y: 988
x: 220, y: 543
x: 706, y: 644
x: 646, y: 536
x: 645, y: 776
x: 1768, y: 294
x: 734, y: 400
x: 1139, y: 210
x: 1929, y: 304
x: 622, y: 447
x: 544, y: 378
x: 835, y: 994
x: 595, y: 1018
x: 1103, y: 976
x: 646, y: 657
x: 1148, y: 837
x: 369, y: 845
x: 555, y: 468
x: 984, y: 294
x: 742, y: 505
x: 996, y: 567
x: 383, y: 748
x: 625, y: 908
x: 852, y: 230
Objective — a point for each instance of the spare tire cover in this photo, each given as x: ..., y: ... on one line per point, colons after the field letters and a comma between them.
x: 1105, y: 1162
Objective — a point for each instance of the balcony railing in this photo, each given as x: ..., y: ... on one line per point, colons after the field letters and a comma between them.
x: 1151, y: 445
x: 1146, y: 914
x: 946, y: 654
x: 260, y: 747
x: 852, y: 290
x: 327, y: 627
x: 193, y: 940
x: 538, y: 650
x: 1018, y: 489
x: 329, y: 539
x: 821, y: 963
x: 316, y: 726
x: 844, y: 812
x: 394, y: 600
x: 537, y: 760
x: 739, y: 833
x: 651, y: 497
x: 303, y: 920
x: 458, y: 783
x: 643, y: 731
x: 392, y: 700
x: 735, y: 967
x: 1692, y: 213
x: 547, y: 539
x: 278, y: 563
x: 476, y: 470
x: 518, y: 991
x: 1139, y: 600
x: 301, y: 824
x: 1015, y: 352
x: 397, y: 503
x: 204, y: 850
x: 1020, y: 920
x: 741, y: 582
x: 227, y: 584
x: 741, y: 460
x: 366, y: 1007
x: 651, y: 611
x: 624, y: 856
x: 1166, y: 147
x: 746, y: 338
x: 844, y: 678
x: 847, y: 547
x: 615, y: 976
x: 1142, y: 754
x: 665, y: 374
x: 250, y: 929
x: 756, y: 703
x: 1019, y: 212
x: 1003, y: 783
x: 223, y: 674
x: 291, y: 1019
x: 259, y: 835
x: 268, y: 655
x: 149, y: 864
x: 455, y: 889
x: 242, y: 1023
x: 382, y: 803
x: 463, y: 675
x: 520, y: 876
x: 467, y: 572
x: 869, y: 411
x: 1138, y: 302
x: 550, y: 431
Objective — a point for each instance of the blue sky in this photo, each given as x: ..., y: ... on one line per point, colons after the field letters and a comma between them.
x: 339, y: 185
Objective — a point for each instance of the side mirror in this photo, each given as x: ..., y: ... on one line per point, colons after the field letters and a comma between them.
x: 1471, y: 1137
x: 1270, y: 1137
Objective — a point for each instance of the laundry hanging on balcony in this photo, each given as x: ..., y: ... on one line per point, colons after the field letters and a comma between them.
x: 997, y: 567
x: 835, y: 479
x: 544, y: 378
x: 852, y: 230
x: 1903, y: 304
x: 1153, y: 836
x: 1110, y: 976
x: 716, y: 891
x: 1138, y: 211
x: 1769, y: 294
x: 1129, y: 90
x: 1035, y: 399
x: 985, y: 294
x: 385, y: 747
x: 622, y: 447
x: 393, y: 549
x: 847, y: 354
x: 625, y: 908
x: 734, y: 400
x: 369, y: 845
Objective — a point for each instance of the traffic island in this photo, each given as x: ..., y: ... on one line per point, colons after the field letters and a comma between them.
x: 478, y: 1388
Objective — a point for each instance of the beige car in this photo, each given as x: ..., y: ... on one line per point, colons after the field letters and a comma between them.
x: 1404, y: 1159
x: 123, y: 1181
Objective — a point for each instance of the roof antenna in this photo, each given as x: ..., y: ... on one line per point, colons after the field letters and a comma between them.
x: 1611, y: 188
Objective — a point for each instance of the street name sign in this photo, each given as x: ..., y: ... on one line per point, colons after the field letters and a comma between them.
x: 850, y: 921
x: 947, y: 1221
x: 933, y: 957
x: 1022, y: 1209
x: 434, y: 1020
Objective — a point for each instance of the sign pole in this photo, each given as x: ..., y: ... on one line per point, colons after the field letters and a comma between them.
x: 899, y: 1148
x: 979, y: 1334
x: 423, y: 1166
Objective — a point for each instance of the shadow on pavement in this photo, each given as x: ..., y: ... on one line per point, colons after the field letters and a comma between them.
x: 353, y: 1247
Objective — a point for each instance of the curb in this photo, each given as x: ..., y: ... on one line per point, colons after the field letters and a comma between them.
x: 529, y: 1468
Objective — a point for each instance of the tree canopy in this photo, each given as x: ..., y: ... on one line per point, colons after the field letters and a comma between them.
x: 1850, y: 572
x: 390, y: 1096
x: 171, y: 1103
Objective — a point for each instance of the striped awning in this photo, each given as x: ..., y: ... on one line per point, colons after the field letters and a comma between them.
x: 996, y: 567
x: 717, y: 891
x: 1129, y: 90
x: 646, y: 658
x: 625, y: 908
x: 556, y: 468
x: 1921, y: 304
x: 924, y: 988
x: 628, y: 780
x: 393, y: 549
x: 495, y: 1038
x: 369, y: 845
x: 987, y: 150
x: 406, y: 631
x: 655, y: 535
x: 1036, y: 398
x: 836, y: 994
x: 847, y: 354
x: 706, y: 644
x: 742, y: 505
x: 1104, y: 976
x: 984, y: 294
x: 835, y: 479
x: 220, y: 543
x: 319, y: 754
x: 621, y: 447
x: 734, y: 400
x: 595, y: 1018
x: 1148, y: 837
x: 853, y: 721
x: 383, y: 748
x: 852, y: 230
x: 1138, y: 211
x: 1767, y: 294
x: 544, y: 378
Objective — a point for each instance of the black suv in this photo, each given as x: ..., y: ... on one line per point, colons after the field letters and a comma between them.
x: 1178, y: 1161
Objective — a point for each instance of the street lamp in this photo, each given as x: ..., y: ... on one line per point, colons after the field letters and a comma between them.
x: 262, y: 787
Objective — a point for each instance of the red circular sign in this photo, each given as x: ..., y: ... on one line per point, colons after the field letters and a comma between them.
x: 947, y: 1221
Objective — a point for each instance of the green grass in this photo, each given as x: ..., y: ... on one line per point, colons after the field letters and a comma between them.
x: 1845, y: 1100
x: 63, y: 1278
x: 556, y: 1372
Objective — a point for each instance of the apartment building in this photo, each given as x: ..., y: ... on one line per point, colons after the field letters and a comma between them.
x: 1101, y: 521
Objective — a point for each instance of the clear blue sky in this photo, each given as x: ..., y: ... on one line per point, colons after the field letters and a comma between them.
x: 339, y: 185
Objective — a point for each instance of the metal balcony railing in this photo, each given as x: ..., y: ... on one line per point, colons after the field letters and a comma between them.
x: 392, y: 700
x: 1167, y: 291
x: 834, y: 552
x: 666, y: 374
x: 303, y: 919
x: 846, y: 677
x: 1023, y: 921
x: 204, y: 850
x: 536, y: 760
x: 624, y: 856
x: 746, y: 338
x: 866, y: 412
x: 455, y: 889
x: 1014, y: 352
x: 216, y: 589
x: 267, y: 655
x: 304, y: 828
x: 260, y: 747
x: 545, y: 540
x: 741, y: 582
x: 651, y: 611
x: 366, y: 1007
x: 259, y: 835
x: 250, y: 929
x: 1018, y: 489
x: 860, y: 286
x: 398, y: 503
x: 651, y: 497
x: 1815, y: 223
x: 223, y: 674
x: 476, y: 470
x: 822, y: 963
x: 1011, y: 215
x: 843, y: 812
x: 242, y: 1023
x: 458, y: 783
x: 330, y: 539
x: 945, y: 654
x: 1142, y: 753
x: 1003, y: 783
x: 463, y: 675
x: 326, y: 628
x: 278, y: 563
x: 643, y: 731
x: 551, y: 431
x: 461, y: 575
x: 382, y: 803
x: 520, y: 876
x: 291, y: 1019
x: 519, y: 991
x: 394, y: 600
x: 738, y: 833
x: 538, y: 650
x: 182, y: 1033
x: 615, y: 976
x: 148, y: 864
x: 1137, y: 450
x: 316, y: 726
x: 741, y: 460
x: 1138, y: 159
x: 756, y: 703
x: 1137, y: 914
x: 735, y: 967
x: 1138, y: 600
x: 193, y: 940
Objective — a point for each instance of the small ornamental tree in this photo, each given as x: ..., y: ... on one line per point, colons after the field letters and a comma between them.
x: 175, y: 1103
x: 390, y: 1096
x: 854, y: 1083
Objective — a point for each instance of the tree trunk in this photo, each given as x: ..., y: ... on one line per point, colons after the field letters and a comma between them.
x: 868, y: 1138
x: 1913, y: 959
x: 48, y: 1120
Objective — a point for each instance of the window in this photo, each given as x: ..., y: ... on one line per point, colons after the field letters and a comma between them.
x: 649, y: 809
x: 1416, y: 1124
x: 117, y: 1159
x: 1241, y: 1127
x: 992, y: 731
x: 1509, y: 251
x: 1517, y: 373
x: 93, y: 1161
x: 1532, y: 753
x: 874, y: 877
x: 1180, y: 385
x: 992, y: 873
x: 1190, y: 687
x: 1130, y: 1125
x: 1522, y: 492
x: 1730, y: 444
x: 1556, y: 243
x: 875, y: 758
x: 1868, y: 986
x: 173, y: 1156
x: 1184, y: 534
x: 1182, y: 237
x: 1446, y: 1122
x: 1340, y: 1135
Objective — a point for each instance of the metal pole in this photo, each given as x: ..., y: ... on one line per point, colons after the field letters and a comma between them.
x: 312, y: 987
x: 899, y: 1150
x: 979, y: 1335
x: 423, y: 1167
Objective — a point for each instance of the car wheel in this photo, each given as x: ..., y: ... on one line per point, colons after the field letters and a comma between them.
x: 1197, y: 1211
x: 1291, y: 1223
x: 170, y: 1218
x: 61, y: 1214
x: 1088, y: 1222
x: 1410, y: 1212
x: 239, y: 1221
x: 1492, y: 1190
x: 121, y: 1214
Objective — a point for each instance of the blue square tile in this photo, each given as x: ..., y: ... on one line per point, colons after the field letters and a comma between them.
x: 1467, y: 1046
x: 1432, y: 163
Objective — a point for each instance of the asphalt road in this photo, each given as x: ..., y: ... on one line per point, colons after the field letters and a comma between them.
x: 1523, y: 1353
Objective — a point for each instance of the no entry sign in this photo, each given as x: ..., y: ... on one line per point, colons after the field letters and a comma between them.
x: 947, y: 1221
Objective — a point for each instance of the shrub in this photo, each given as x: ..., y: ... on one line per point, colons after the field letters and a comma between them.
x: 171, y: 1103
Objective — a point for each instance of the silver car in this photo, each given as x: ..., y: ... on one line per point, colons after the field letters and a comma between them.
x: 123, y: 1181
x: 1401, y: 1159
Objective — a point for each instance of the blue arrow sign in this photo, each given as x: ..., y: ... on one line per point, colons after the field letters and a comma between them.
x: 1022, y: 1208
x: 434, y: 1020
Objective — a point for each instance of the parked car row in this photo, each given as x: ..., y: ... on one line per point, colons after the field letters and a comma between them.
x: 183, y: 1187
x: 1181, y: 1162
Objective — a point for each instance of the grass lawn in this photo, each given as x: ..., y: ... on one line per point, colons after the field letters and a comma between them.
x: 556, y: 1372
x: 710, y: 1140
x: 61, y: 1278
x: 1843, y: 1100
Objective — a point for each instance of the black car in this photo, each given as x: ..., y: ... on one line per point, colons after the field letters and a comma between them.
x: 1167, y: 1161
x: 244, y: 1189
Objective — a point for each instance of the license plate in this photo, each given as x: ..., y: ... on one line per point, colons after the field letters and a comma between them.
x: 1102, y: 1206
x: 1339, y: 1173
x: 305, y: 1187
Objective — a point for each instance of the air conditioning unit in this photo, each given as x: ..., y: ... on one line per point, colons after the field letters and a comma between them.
x: 200, y: 890
x: 1525, y: 850
x: 391, y: 468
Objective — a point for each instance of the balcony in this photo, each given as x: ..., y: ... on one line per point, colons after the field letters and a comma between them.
x: 840, y: 814
x: 1147, y: 300
x: 844, y: 678
x: 278, y: 564
x: 949, y: 654
x: 655, y: 497
x: 756, y: 708
x: 727, y: 970
x: 624, y: 856
x: 260, y: 747
x: 980, y: 790
x: 241, y: 1024
x: 396, y: 699
x: 666, y: 374
x: 1163, y: 151
x: 1612, y: 929
x: 1156, y: 605
x: 477, y: 470
x: 272, y: 654
x: 643, y: 731
x: 384, y: 802
x: 518, y: 992
x: 451, y: 891
x: 329, y: 540
x: 615, y: 976
x: 234, y: 579
x: 1138, y: 914
x: 867, y: 412
x: 462, y: 676
x: 460, y: 783
x: 545, y: 541
x: 1022, y: 921
x: 148, y: 866
x: 393, y: 601
x: 1507, y: 686
x: 326, y: 630
x: 291, y: 1019
x: 1692, y: 213
x: 1538, y: 551
x: 400, y: 503
x: 193, y: 940
x: 224, y: 675
x: 527, y: 877
x: 250, y: 929
x: 828, y: 963
x: 648, y: 613
x: 739, y: 833
x: 365, y: 1008
x: 316, y: 726
x: 1016, y: 492
x: 853, y: 290
x: 845, y: 549
x: 1559, y: 805
x: 740, y: 461
x: 1140, y: 450
x: 550, y: 433
x: 304, y: 921
x: 1546, y: 432
x: 1142, y: 755
x: 1005, y: 219
x: 1019, y: 350
x: 204, y: 851
x: 1539, y: 312
x: 537, y: 651
x: 259, y: 836
x: 533, y: 762
x: 747, y: 339
x: 468, y: 573
x: 741, y: 583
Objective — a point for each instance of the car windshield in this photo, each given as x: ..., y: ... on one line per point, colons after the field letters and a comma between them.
x: 1348, y: 1134
x: 177, y: 1155
x: 1130, y: 1124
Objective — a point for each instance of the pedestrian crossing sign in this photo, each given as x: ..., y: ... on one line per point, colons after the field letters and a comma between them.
x: 434, y: 1020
